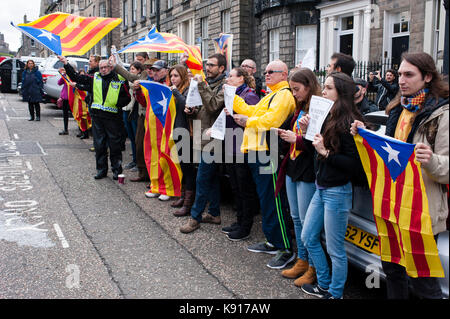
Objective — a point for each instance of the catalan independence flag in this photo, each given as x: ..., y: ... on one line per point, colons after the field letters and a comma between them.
x: 78, y: 106
x: 160, y: 152
x: 77, y: 34
x: 293, y: 152
x: 224, y: 45
x: 156, y: 41
x: 400, y: 204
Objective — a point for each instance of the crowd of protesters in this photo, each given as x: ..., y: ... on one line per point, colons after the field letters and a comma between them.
x: 316, y: 177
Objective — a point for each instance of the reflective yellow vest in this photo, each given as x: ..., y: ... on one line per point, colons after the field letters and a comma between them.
x: 112, y: 96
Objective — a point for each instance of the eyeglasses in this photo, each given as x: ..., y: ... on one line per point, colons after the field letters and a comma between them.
x: 271, y: 71
x: 211, y: 65
x: 247, y: 66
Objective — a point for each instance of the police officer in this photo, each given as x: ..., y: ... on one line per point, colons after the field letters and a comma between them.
x: 109, y: 95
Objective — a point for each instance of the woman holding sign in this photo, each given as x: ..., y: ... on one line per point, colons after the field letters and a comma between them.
x: 179, y: 84
x: 335, y: 160
x: 297, y: 170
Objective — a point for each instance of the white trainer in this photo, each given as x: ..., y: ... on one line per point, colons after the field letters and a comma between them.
x: 164, y: 197
x: 149, y: 194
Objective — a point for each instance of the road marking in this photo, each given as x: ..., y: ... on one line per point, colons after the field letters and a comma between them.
x: 61, y: 237
x: 16, y: 136
x: 28, y: 164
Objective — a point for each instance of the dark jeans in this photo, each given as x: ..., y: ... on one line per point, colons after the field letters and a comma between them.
x: 397, y: 283
x: 207, y: 189
x: 107, y: 134
x: 66, y: 110
x: 274, y: 219
x: 131, y: 128
x: 244, y: 193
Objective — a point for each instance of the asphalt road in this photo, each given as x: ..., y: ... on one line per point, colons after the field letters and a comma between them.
x: 65, y: 235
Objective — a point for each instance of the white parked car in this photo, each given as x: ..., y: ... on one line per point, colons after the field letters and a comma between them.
x: 50, y: 74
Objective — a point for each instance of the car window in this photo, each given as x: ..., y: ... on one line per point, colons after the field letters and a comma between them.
x: 58, y: 65
x: 82, y: 65
x: 6, y: 65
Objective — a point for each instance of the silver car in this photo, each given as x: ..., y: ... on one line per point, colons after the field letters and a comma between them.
x: 361, y: 238
x: 50, y: 74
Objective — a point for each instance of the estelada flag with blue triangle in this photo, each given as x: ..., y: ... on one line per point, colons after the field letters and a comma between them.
x: 224, y: 45
x: 49, y: 40
x: 160, y: 152
x: 400, y: 204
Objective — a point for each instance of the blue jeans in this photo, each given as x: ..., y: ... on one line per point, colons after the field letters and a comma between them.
x: 207, y: 189
x: 328, y: 210
x: 131, y: 128
x: 299, y: 196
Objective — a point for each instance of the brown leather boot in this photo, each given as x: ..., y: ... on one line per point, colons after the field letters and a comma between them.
x: 297, y: 270
x: 309, y: 277
x: 190, y: 226
x: 189, y: 197
x: 179, y: 202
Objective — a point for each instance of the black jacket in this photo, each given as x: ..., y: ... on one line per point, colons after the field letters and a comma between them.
x: 340, y: 168
x: 385, y: 91
x: 88, y: 82
x: 366, y: 106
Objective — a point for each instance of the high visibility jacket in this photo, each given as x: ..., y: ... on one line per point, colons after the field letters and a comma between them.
x: 271, y: 111
x: 110, y: 104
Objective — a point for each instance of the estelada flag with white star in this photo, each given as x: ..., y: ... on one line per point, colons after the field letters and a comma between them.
x: 224, y: 45
x: 47, y: 39
x: 78, y: 34
x: 400, y: 204
x: 160, y: 152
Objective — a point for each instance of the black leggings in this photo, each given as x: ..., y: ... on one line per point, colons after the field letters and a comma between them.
x: 32, y: 106
x: 66, y: 110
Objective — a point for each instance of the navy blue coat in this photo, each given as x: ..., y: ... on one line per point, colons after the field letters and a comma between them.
x: 32, y: 86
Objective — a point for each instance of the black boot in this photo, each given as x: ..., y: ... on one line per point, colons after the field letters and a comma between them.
x: 38, y: 112
x: 84, y: 135
x: 31, y: 110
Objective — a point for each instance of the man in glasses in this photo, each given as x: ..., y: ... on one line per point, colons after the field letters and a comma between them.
x: 250, y: 66
x: 208, y: 183
x: 271, y: 111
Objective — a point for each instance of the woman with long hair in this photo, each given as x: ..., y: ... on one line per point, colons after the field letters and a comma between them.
x: 245, y: 196
x: 297, y: 171
x: 179, y: 84
x: 32, y: 88
x: 336, y: 161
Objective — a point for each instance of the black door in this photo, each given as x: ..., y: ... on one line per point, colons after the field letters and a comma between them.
x: 346, y: 44
x: 399, y: 45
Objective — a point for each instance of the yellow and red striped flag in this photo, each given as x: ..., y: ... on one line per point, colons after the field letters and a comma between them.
x: 156, y: 41
x: 78, y: 106
x: 78, y: 34
x: 160, y: 153
x: 400, y: 204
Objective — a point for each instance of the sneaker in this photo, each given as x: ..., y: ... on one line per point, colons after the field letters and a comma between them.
x: 130, y: 165
x: 134, y: 169
x: 229, y: 229
x: 163, y: 197
x: 281, y: 260
x: 238, y: 235
x: 63, y: 132
x: 330, y: 296
x: 149, y: 194
x: 210, y: 219
x: 263, y: 247
x: 315, y: 290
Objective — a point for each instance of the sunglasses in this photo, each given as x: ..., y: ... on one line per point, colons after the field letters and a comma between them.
x: 271, y: 71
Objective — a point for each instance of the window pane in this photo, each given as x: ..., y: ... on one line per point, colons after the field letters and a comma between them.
x: 306, y: 37
x: 347, y: 23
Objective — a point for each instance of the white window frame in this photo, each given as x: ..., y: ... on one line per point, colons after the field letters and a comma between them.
x: 102, y: 4
x: 344, y: 32
x: 225, y: 20
x: 205, y: 37
x: 143, y: 8
x: 389, y: 19
x: 169, y: 4
x: 189, y: 36
x: 133, y: 11
x: 274, y: 44
x: 125, y: 12
x: 152, y: 6
x: 299, y: 54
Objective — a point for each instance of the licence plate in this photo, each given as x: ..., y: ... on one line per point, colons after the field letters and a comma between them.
x: 363, y: 239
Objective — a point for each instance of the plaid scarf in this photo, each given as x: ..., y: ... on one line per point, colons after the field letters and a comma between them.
x: 414, y: 102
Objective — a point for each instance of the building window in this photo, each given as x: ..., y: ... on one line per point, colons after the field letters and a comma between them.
x: 125, y: 13
x: 186, y: 31
x: 169, y: 4
x: 133, y: 11
x: 143, y: 8
x: 102, y: 9
x: 274, y: 44
x: 32, y: 43
x: 152, y: 6
x: 346, y: 35
x: 305, y: 39
x: 205, y: 39
x: 226, y: 21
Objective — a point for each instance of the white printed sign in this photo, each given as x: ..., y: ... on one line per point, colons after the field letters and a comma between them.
x: 319, y: 108
x: 193, y: 97
x: 219, y: 126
